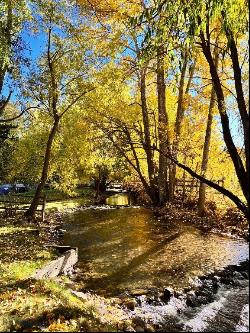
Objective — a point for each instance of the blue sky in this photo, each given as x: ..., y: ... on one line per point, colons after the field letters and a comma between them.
x: 35, y: 46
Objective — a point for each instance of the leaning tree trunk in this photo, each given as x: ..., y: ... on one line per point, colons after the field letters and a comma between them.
x: 163, y: 132
x: 244, y: 115
x: 239, y: 167
x: 35, y: 202
x: 204, y: 163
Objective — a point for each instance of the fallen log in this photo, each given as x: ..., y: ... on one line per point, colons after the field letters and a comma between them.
x: 62, y: 265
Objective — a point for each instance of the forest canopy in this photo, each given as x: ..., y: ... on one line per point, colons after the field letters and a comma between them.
x: 144, y: 92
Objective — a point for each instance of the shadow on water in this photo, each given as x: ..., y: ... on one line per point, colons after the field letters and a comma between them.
x: 121, y: 275
x: 127, y: 249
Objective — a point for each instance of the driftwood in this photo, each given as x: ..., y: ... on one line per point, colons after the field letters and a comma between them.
x: 62, y: 265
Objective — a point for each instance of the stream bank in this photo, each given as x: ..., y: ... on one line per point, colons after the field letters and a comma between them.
x: 145, y: 308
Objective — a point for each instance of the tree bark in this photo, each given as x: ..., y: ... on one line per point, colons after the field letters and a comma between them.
x: 240, y: 95
x: 177, y: 129
x: 204, y: 163
x: 202, y: 188
x: 163, y: 132
x: 234, y: 155
x: 35, y: 202
x: 240, y: 204
x: 147, y: 138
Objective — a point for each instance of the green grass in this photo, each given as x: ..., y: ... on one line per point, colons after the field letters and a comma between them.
x: 56, y: 200
x: 12, y: 229
x: 53, y: 194
x: 43, y: 305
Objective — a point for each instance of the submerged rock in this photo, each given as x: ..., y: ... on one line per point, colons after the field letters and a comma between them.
x: 129, y: 303
x: 149, y: 328
x: 138, y: 321
x: 167, y: 294
x: 191, y: 299
x: 129, y: 329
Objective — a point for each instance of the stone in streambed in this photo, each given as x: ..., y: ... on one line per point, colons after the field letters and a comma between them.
x: 192, y: 300
x: 139, y: 292
x: 138, y: 321
x: 129, y: 329
x: 167, y: 294
x: 149, y: 328
x: 129, y: 303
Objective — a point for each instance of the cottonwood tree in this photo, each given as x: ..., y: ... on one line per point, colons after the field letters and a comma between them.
x: 60, y: 79
x: 13, y: 15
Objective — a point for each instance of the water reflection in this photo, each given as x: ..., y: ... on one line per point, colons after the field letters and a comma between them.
x: 127, y: 249
x: 120, y: 199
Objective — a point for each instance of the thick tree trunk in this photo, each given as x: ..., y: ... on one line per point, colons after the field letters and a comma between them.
x: 204, y: 163
x: 35, y: 202
x: 233, y: 152
x: 240, y: 95
x: 163, y: 132
x: 147, y: 138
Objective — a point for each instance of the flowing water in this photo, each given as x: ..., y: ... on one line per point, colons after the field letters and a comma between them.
x: 128, y: 249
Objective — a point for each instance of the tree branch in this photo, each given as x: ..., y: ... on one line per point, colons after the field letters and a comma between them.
x: 18, y: 116
x: 240, y: 204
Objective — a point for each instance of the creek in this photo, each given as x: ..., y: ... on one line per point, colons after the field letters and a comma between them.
x: 127, y: 250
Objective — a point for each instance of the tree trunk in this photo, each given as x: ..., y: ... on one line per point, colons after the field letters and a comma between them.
x: 204, y: 163
x: 233, y: 152
x: 202, y: 189
x: 238, y: 202
x: 184, y: 186
x: 163, y: 132
x: 177, y: 130
x: 6, y: 32
x: 240, y: 95
x: 35, y: 202
x: 147, y: 138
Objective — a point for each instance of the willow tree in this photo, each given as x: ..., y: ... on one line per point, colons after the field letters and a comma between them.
x: 233, y: 18
x: 195, y: 24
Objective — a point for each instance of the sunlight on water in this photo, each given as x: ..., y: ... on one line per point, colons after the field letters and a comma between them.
x: 128, y: 249
x: 119, y: 199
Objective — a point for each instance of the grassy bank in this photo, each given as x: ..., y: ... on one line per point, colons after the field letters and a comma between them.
x: 44, y: 305
x: 55, y: 200
x: 54, y: 194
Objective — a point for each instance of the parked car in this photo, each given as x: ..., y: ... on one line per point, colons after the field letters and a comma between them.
x: 20, y: 188
x: 5, y: 189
